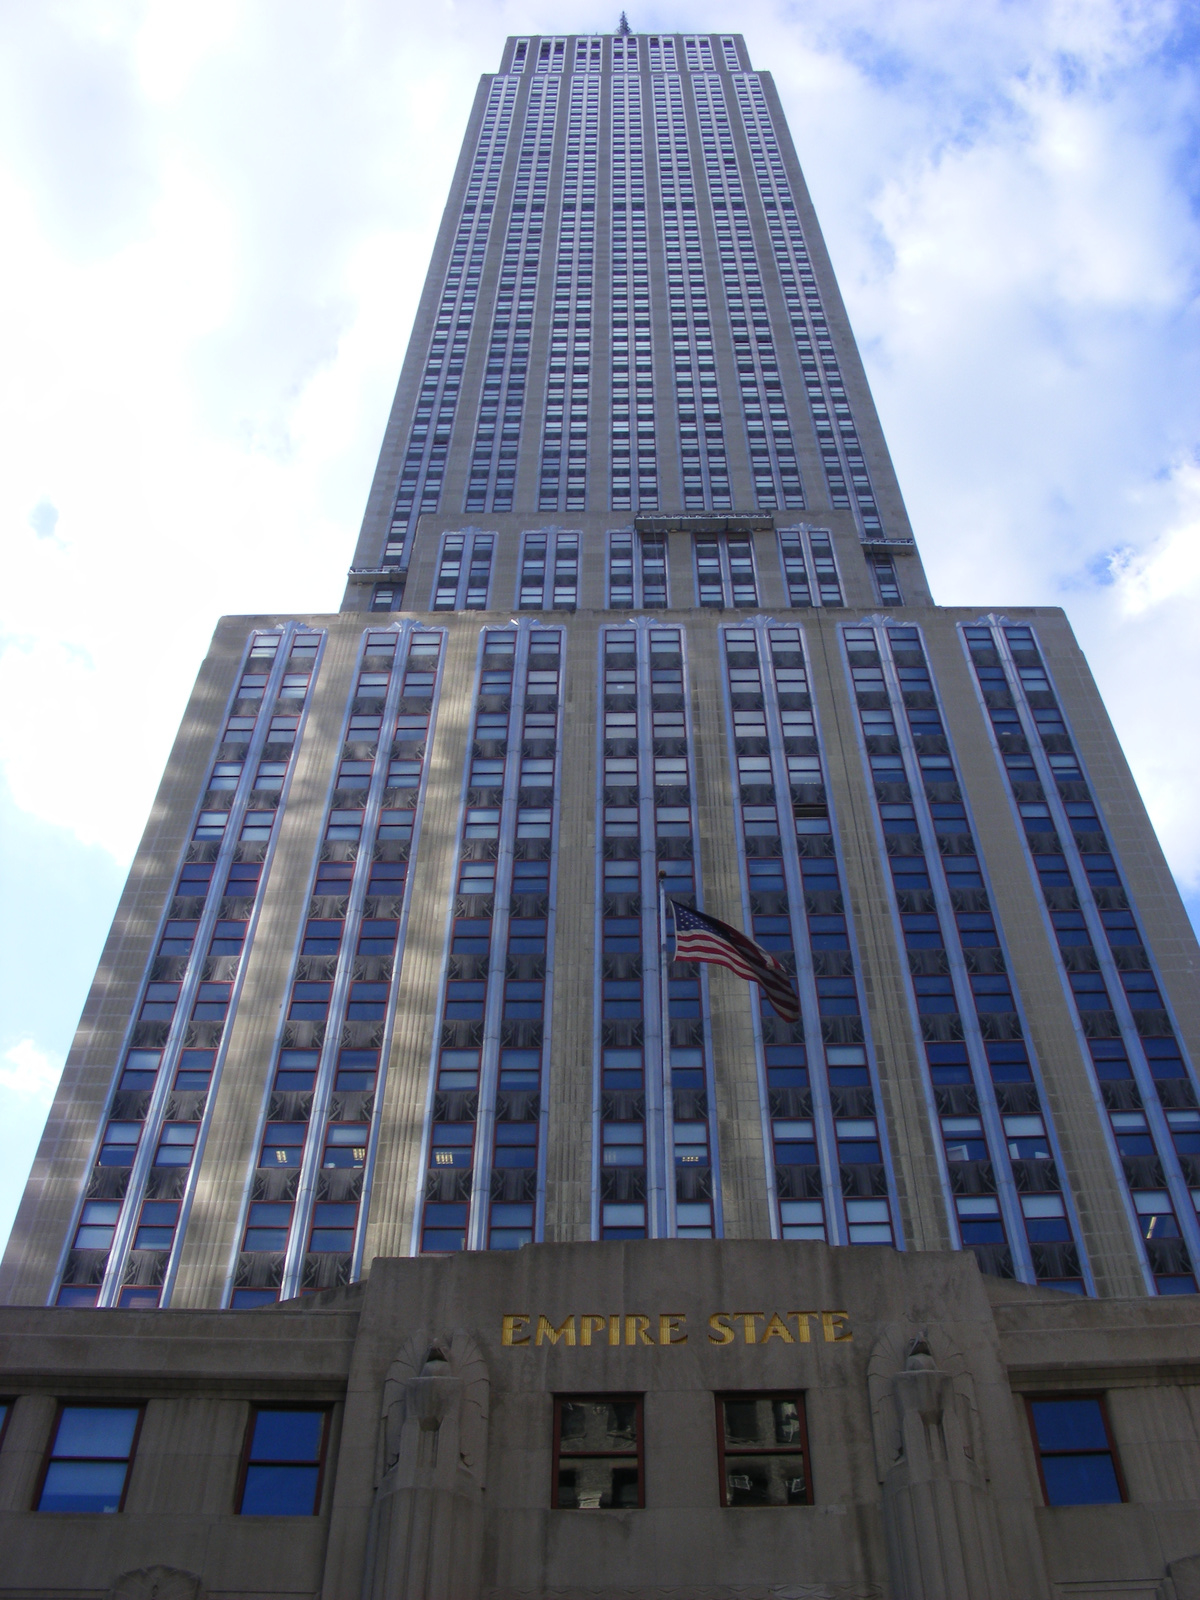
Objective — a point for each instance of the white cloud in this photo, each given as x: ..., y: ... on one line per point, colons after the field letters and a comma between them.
x: 28, y: 1071
x: 217, y: 224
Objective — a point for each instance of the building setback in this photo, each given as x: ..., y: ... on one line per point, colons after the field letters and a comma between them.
x: 403, y: 1193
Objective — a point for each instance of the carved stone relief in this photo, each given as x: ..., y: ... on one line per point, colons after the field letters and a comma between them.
x: 155, y: 1583
x: 427, y: 1520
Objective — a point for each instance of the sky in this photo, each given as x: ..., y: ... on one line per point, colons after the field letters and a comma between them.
x: 216, y: 221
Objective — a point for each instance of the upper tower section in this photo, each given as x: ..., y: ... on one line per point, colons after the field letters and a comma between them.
x: 630, y: 314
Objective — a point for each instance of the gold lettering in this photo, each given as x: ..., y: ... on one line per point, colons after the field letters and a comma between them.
x: 669, y: 1324
x: 546, y: 1329
x: 635, y: 1328
x: 718, y: 1325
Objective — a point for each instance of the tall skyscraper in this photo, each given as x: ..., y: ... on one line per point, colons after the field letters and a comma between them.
x: 635, y: 594
x: 636, y: 621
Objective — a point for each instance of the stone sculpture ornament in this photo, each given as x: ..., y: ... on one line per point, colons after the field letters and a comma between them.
x: 427, y: 1520
x: 939, y: 1518
x: 155, y: 1583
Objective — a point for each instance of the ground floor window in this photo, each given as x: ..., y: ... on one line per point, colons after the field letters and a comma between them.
x: 1077, y: 1460
x: 87, y: 1467
x: 285, y: 1452
x: 762, y: 1448
x: 597, y: 1452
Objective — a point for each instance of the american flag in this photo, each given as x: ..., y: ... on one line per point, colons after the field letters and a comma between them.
x: 701, y: 938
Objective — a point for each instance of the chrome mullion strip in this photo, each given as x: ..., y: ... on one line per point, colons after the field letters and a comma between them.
x: 914, y: 1015
x: 389, y: 1023
x: 981, y: 1072
x: 435, y: 1049
x: 764, y: 1102
x: 343, y: 974
x: 489, y: 1056
x: 539, y: 1209
x: 655, y: 1026
x: 714, y: 1153
x: 189, y: 1193
x: 806, y: 981
x: 1085, y: 901
x: 208, y: 919
x: 598, y: 946
x: 1181, y: 1199
x: 839, y: 856
x: 164, y: 918
x: 1018, y: 1002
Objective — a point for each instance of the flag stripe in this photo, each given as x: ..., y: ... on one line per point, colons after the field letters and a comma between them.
x: 703, y: 938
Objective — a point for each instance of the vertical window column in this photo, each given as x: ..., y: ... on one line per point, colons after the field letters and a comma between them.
x: 883, y: 566
x: 125, y: 1242
x: 772, y: 450
x: 1001, y: 1159
x: 462, y: 582
x: 698, y: 52
x: 634, y: 447
x: 424, y: 464
x: 826, y: 1151
x: 795, y: 568
x: 309, y: 1193
x: 725, y: 571
x: 637, y: 570
x: 825, y: 567
x: 650, y: 1122
x: 549, y: 571
x: 497, y: 438
x: 485, y: 1179
x: 1147, y: 1088
x: 837, y: 436
x: 705, y: 471
x: 565, y: 429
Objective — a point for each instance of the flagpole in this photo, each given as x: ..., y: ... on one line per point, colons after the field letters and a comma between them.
x: 668, y: 1103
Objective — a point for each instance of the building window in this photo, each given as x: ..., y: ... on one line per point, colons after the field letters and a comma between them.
x: 597, y: 1452
x: 762, y: 1449
x: 886, y: 580
x: 462, y: 585
x: 725, y: 571
x: 87, y: 1468
x: 637, y: 570
x: 284, y: 1457
x: 1077, y: 1462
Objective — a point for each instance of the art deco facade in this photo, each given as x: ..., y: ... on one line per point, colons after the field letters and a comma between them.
x: 635, y: 601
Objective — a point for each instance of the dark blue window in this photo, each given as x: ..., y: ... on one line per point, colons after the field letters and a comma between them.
x: 444, y: 1227
x: 322, y: 937
x: 283, y: 1464
x: 516, y: 1144
x: 89, y: 1459
x: 464, y: 1001
x: 523, y: 999
x: 1075, y: 1452
x: 368, y: 1002
x: 333, y: 1226
x: 297, y: 1070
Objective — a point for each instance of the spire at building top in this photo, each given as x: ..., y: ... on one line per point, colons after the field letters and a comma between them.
x: 623, y: 28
